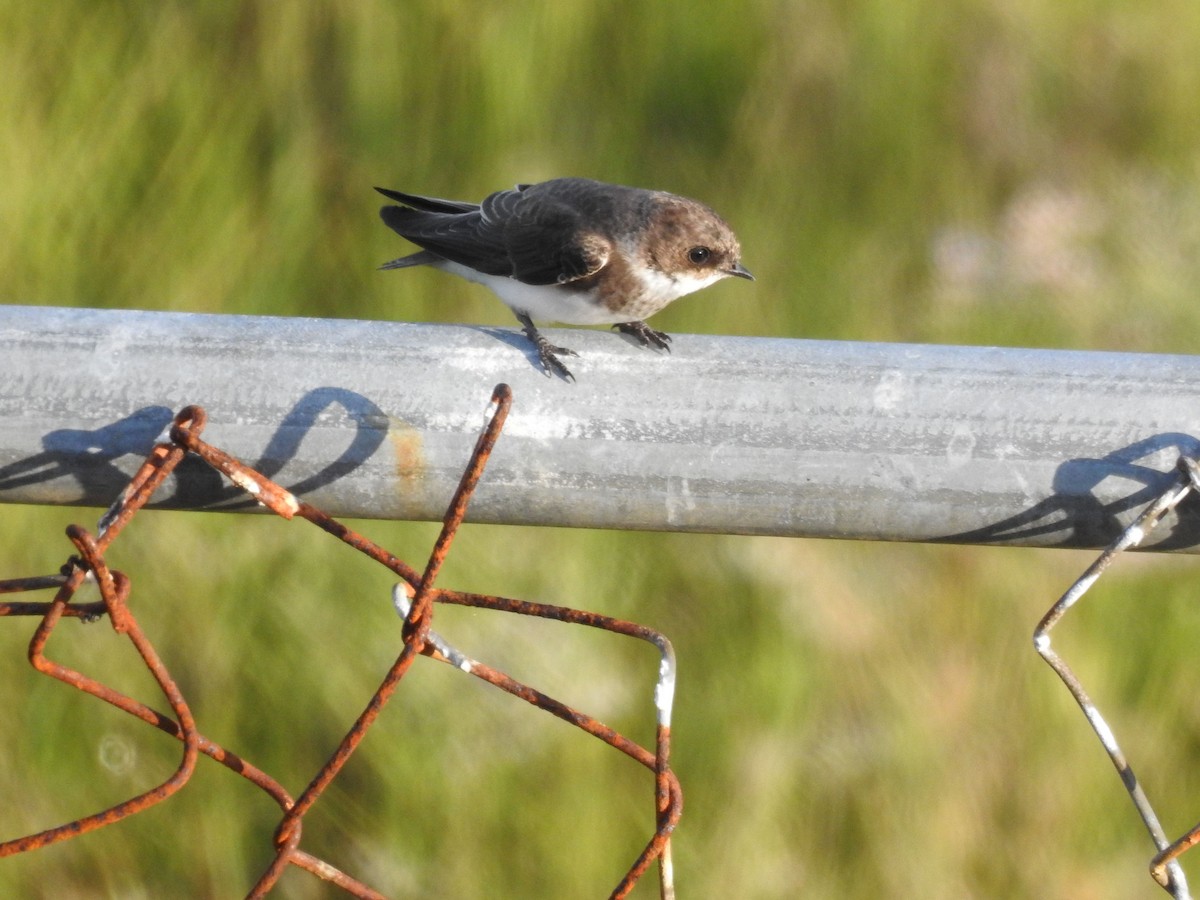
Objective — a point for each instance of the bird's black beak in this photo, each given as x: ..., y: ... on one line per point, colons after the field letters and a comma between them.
x: 741, y: 272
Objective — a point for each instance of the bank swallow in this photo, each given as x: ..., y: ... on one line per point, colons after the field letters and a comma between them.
x: 572, y: 250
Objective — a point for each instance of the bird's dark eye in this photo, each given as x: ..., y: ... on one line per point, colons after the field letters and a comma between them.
x: 699, y: 255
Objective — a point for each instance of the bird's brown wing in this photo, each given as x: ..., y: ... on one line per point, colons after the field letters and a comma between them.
x: 461, y: 237
x: 545, y: 236
x: 527, y: 233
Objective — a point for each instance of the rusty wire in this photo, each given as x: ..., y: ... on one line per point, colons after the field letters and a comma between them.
x: 1164, y: 867
x: 414, y: 598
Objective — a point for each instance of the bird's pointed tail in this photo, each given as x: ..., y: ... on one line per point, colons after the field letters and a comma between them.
x: 421, y: 258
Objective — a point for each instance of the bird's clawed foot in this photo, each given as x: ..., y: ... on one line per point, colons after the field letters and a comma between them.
x: 546, y: 351
x: 646, y: 336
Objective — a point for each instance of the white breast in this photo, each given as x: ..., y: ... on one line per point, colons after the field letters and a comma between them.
x: 548, y: 302
x: 553, y: 303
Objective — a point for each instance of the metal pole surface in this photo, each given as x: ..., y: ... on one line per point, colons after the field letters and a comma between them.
x: 737, y: 435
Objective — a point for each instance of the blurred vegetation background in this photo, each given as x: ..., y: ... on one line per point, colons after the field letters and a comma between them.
x: 853, y: 720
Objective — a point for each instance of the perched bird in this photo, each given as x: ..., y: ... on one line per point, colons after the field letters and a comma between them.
x: 572, y: 250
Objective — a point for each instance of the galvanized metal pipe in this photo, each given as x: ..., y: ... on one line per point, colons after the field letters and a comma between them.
x: 737, y: 435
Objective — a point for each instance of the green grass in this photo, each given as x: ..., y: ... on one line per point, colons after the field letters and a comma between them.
x: 854, y: 720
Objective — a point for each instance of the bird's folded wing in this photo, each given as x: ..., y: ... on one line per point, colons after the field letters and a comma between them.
x: 463, y: 238
x: 544, y: 239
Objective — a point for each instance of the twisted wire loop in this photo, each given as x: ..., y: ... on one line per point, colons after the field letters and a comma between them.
x: 414, y: 596
x: 1164, y: 867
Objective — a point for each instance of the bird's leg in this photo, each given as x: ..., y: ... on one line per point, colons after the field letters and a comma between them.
x: 546, y: 351
x: 645, y: 335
